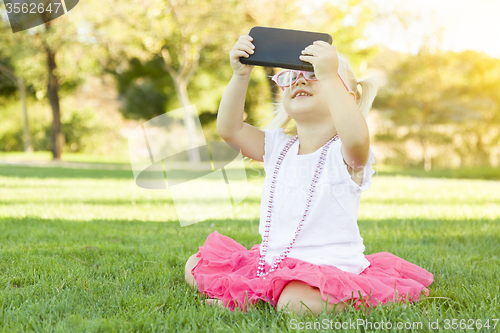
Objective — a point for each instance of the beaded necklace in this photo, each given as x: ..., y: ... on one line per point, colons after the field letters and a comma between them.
x: 265, y: 240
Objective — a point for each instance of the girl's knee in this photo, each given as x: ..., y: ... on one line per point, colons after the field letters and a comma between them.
x: 190, y: 263
x: 300, y: 298
x: 292, y: 296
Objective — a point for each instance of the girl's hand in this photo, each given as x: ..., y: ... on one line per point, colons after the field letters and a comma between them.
x: 242, y: 48
x: 324, y: 59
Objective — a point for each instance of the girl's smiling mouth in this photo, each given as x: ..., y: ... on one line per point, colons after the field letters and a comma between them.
x: 301, y: 93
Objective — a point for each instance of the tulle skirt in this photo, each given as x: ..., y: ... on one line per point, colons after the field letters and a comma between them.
x: 228, y: 271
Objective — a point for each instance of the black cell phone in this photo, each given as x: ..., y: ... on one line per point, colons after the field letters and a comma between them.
x: 282, y: 47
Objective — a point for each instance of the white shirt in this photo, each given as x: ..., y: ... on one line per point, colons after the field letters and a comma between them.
x: 330, y: 234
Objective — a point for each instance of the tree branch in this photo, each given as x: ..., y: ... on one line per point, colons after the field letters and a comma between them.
x: 194, y: 65
x: 166, y: 64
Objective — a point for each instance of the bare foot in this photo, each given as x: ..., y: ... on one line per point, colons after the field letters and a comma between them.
x: 214, y: 301
x: 220, y: 303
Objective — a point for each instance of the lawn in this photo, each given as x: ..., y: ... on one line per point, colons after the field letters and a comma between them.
x: 82, y: 249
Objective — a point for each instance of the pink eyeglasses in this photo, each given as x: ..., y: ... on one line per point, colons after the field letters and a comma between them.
x: 287, y: 78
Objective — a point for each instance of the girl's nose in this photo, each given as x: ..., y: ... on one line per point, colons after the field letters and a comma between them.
x: 301, y: 76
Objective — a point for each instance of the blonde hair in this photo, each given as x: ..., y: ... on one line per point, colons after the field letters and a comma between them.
x: 364, y: 98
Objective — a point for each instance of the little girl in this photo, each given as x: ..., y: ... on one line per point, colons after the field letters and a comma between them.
x: 311, y: 256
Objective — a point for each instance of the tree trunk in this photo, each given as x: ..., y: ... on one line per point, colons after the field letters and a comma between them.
x: 56, y: 137
x: 482, y: 156
x: 425, y: 141
x: 181, y: 79
x: 22, y: 94
x: 182, y: 95
x: 427, y: 155
x: 28, y: 147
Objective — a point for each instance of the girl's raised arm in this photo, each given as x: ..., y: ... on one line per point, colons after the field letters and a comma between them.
x: 230, y: 123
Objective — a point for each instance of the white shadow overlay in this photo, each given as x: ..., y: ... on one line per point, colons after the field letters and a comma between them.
x: 204, y: 181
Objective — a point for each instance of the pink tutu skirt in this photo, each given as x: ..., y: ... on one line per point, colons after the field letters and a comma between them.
x: 228, y: 271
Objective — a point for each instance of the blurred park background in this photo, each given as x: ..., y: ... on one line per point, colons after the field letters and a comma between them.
x: 80, y: 84
x: 83, y: 248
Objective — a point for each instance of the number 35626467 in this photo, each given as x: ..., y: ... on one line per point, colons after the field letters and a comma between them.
x: 32, y: 8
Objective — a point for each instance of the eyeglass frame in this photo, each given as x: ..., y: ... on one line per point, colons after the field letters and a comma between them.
x: 275, y: 79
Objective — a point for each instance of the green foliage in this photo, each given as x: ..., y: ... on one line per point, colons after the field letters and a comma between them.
x: 163, y: 46
x: 8, y: 87
x: 11, y: 136
x: 459, y: 90
x: 145, y: 89
x: 82, y: 130
x: 25, y: 51
x: 127, y: 40
x: 143, y: 100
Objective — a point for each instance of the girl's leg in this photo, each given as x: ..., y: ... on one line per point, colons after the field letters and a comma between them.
x: 192, y: 261
x: 214, y: 301
x: 301, y: 298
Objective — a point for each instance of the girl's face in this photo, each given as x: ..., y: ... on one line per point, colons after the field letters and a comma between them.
x: 305, y: 100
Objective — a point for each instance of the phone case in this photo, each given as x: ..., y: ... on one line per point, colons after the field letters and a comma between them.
x: 282, y: 47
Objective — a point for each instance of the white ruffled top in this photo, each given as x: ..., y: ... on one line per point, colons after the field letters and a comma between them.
x: 330, y: 234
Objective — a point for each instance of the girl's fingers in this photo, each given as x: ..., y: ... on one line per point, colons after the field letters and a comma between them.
x: 321, y: 42
x: 242, y: 47
x: 324, y: 45
x: 320, y: 45
x: 246, y: 49
x: 306, y: 58
x: 245, y: 37
x: 312, y: 49
x: 247, y: 43
x: 239, y: 54
x: 244, y: 44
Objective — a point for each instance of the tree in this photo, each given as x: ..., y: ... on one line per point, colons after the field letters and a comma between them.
x: 50, y: 58
x: 178, y: 32
x: 56, y: 138
x: 19, y: 82
x: 443, y: 88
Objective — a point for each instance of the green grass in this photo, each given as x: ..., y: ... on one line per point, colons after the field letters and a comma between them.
x: 46, y: 156
x: 85, y: 250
